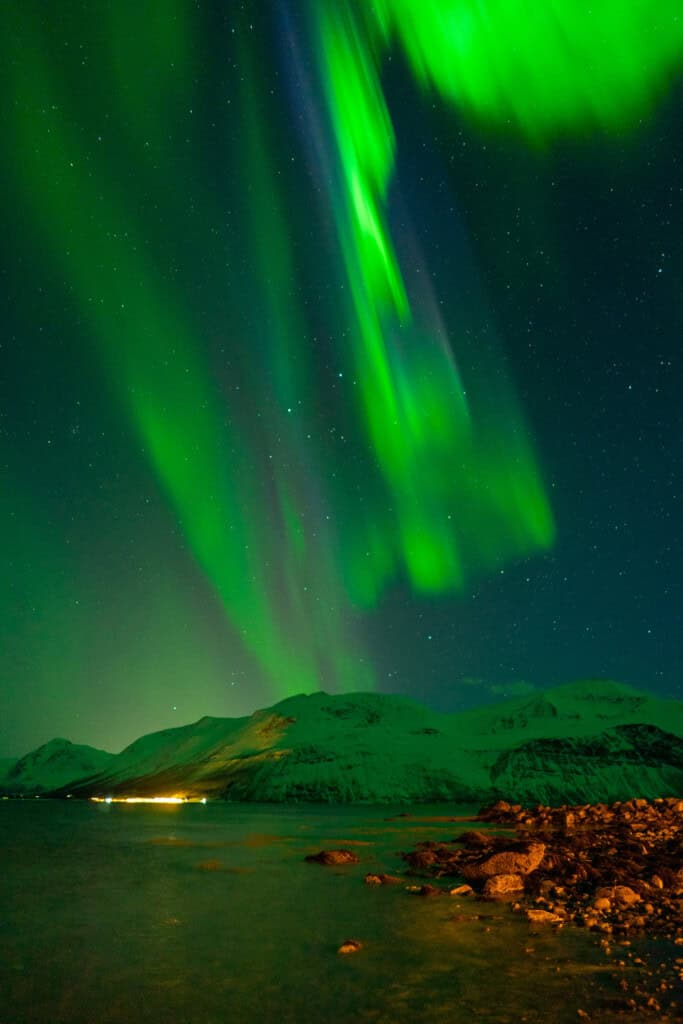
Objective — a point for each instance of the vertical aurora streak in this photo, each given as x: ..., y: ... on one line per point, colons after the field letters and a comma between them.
x: 241, y: 516
x: 461, y: 471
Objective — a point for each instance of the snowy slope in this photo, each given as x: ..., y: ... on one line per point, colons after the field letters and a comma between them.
x: 576, y: 709
x: 51, y: 766
x: 6, y: 763
x: 359, y: 747
x: 641, y: 760
x: 585, y: 741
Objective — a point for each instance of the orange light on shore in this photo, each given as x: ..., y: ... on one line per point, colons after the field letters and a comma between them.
x: 147, y: 800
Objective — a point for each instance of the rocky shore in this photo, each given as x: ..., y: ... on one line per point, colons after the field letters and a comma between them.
x: 616, y: 869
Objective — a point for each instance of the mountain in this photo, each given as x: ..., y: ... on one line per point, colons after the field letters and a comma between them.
x: 52, y: 766
x: 587, y: 741
x: 6, y: 763
x: 641, y: 760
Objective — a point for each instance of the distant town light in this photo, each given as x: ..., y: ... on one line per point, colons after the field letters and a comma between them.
x: 147, y: 800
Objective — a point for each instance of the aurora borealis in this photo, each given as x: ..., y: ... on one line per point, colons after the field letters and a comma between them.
x: 343, y: 344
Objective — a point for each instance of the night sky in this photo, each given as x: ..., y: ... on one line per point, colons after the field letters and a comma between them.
x: 341, y: 350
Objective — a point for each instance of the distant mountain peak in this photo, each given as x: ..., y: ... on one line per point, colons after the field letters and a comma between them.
x: 55, y: 763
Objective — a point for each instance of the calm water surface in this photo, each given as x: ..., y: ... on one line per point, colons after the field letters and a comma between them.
x: 209, y: 914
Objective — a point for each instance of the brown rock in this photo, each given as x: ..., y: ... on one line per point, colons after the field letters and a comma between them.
x: 509, y: 862
x: 350, y: 946
x: 461, y: 890
x: 421, y: 859
x: 501, y: 809
x: 430, y: 890
x: 602, y: 903
x: 543, y: 917
x: 333, y: 857
x: 502, y: 885
x: 620, y: 894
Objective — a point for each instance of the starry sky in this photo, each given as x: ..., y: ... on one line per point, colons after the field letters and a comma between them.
x: 341, y: 350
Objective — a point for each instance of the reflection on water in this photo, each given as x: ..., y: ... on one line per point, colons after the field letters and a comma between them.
x: 210, y: 914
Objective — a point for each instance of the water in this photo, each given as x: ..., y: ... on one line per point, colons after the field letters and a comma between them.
x: 209, y: 914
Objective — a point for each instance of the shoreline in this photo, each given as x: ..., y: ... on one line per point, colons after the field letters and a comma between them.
x: 615, y: 870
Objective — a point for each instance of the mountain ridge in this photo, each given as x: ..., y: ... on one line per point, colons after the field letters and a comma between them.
x: 383, y: 748
x: 52, y: 764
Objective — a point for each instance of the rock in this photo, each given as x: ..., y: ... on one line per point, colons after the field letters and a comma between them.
x: 501, y: 809
x: 371, y: 879
x: 421, y: 859
x: 427, y: 890
x: 503, y: 885
x: 508, y: 862
x: 350, y: 946
x: 618, y: 871
x: 621, y: 894
x: 543, y: 917
x: 333, y: 857
x: 461, y: 890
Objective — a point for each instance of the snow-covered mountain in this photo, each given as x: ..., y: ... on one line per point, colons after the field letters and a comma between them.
x: 52, y: 766
x: 585, y: 741
x: 6, y: 764
x: 642, y: 760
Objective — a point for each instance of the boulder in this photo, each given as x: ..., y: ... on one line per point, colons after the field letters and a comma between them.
x: 350, y: 946
x: 333, y: 857
x: 520, y: 861
x: 501, y: 809
x: 543, y: 917
x: 425, y: 890
x: 371, y: 879
x: 620, y: 894
x: 503, y: 885
x: 420, y: 860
